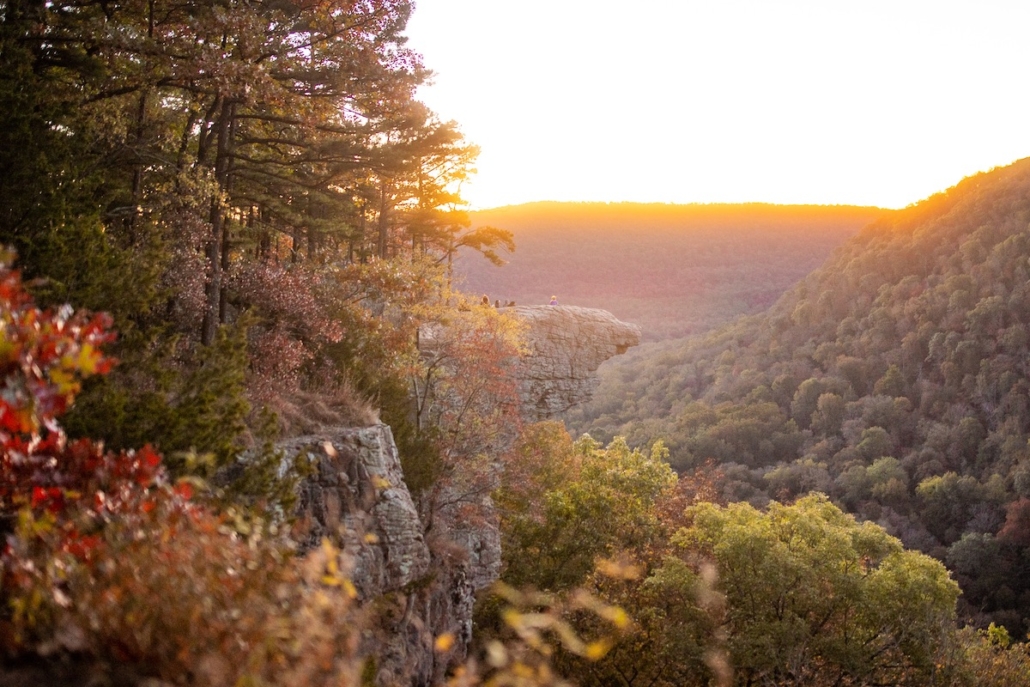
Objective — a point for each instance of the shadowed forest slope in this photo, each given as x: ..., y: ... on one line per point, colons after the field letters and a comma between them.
x: 894, y: 379
x: 673, y: 269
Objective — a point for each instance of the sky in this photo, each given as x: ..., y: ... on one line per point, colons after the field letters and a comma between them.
x: 782, y: 101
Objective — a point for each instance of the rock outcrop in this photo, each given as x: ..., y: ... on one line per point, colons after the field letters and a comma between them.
x: 425, y: 585
x: 566, y: 346
x: 357, y: 498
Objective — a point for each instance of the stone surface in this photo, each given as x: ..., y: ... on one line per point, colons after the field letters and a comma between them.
x: 479, y: 537
x: 566, y: 346
x: 358, y: 499
x: 425, y: 573
x: 424, y: 587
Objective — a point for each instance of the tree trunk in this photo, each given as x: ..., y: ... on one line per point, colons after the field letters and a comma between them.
x: 384, y: 223
x: 213, y: 248
x: 137, y: 169
x: 223, y: 295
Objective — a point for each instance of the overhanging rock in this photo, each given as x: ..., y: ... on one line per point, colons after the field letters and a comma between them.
x: 566, y: 346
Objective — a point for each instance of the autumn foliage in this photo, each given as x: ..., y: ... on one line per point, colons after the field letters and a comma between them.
x: 45, y: 355
x: 106, y: 557
x: 893, y: 379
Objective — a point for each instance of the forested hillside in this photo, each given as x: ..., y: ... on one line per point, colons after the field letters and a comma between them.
x: 894, y: 378
x: 672, y: 269
x: 227, y: 223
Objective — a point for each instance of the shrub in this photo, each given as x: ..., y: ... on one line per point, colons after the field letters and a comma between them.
x: 107, y: 557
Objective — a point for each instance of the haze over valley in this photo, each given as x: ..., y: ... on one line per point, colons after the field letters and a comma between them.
x: 674, y: 270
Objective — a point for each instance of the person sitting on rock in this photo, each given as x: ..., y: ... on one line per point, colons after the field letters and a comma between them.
x: 554, y: 300
x: 486, y: 300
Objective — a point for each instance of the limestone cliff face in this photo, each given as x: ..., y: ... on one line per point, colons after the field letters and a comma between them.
x: 425, y: 578
x: 357, y: 498
x: 566, y: 346
x: 424, y: 586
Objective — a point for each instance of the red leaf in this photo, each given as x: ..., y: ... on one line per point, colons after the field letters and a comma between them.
x: 150, y: 458
x: 38, y: 496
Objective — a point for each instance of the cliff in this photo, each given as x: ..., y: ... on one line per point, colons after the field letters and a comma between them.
x: 566, y: 346
x: 422, y: 586
x: 423, y: 579
x: 357, y: 498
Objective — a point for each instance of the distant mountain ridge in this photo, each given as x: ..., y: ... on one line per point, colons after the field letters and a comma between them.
x: 675, y: 270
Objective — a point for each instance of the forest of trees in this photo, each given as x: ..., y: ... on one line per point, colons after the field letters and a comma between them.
x: 264, y: 213
x: 250, y: 190
x: 720, y: 593
x: 227, y: 222
x: 892, y: 379
x: 674, y: 270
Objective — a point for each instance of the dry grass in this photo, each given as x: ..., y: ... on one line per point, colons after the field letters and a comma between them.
x: 302, y: 412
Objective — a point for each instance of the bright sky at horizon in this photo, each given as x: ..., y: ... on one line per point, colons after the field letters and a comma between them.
x: 783, y: 101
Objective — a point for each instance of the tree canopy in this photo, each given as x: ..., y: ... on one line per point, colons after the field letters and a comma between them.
x: 799, y: 593
x: 891, y: 379
x: 251, y: 190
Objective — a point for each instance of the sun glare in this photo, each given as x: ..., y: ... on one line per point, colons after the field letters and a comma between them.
x: 878, y: 103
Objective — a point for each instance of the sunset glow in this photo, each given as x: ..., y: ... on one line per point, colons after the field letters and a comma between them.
x: 876, y: 103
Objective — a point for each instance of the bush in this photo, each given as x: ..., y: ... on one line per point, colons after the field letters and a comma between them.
x: 107, y: 557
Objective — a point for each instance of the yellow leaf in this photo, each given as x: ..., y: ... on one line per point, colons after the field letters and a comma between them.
x: 87, y: 361
x: 444, y: 642
x: 617, y: 617
x: 65, y: 381
x: 496, y: 654
x: 512, y: 618
x: 521, y: 670
x: 596, y: 650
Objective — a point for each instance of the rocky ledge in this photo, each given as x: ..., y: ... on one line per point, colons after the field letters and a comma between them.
x: 357, y: 498
x: 425, y: 586
x: 566, y: 346
x: 426, y: 578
